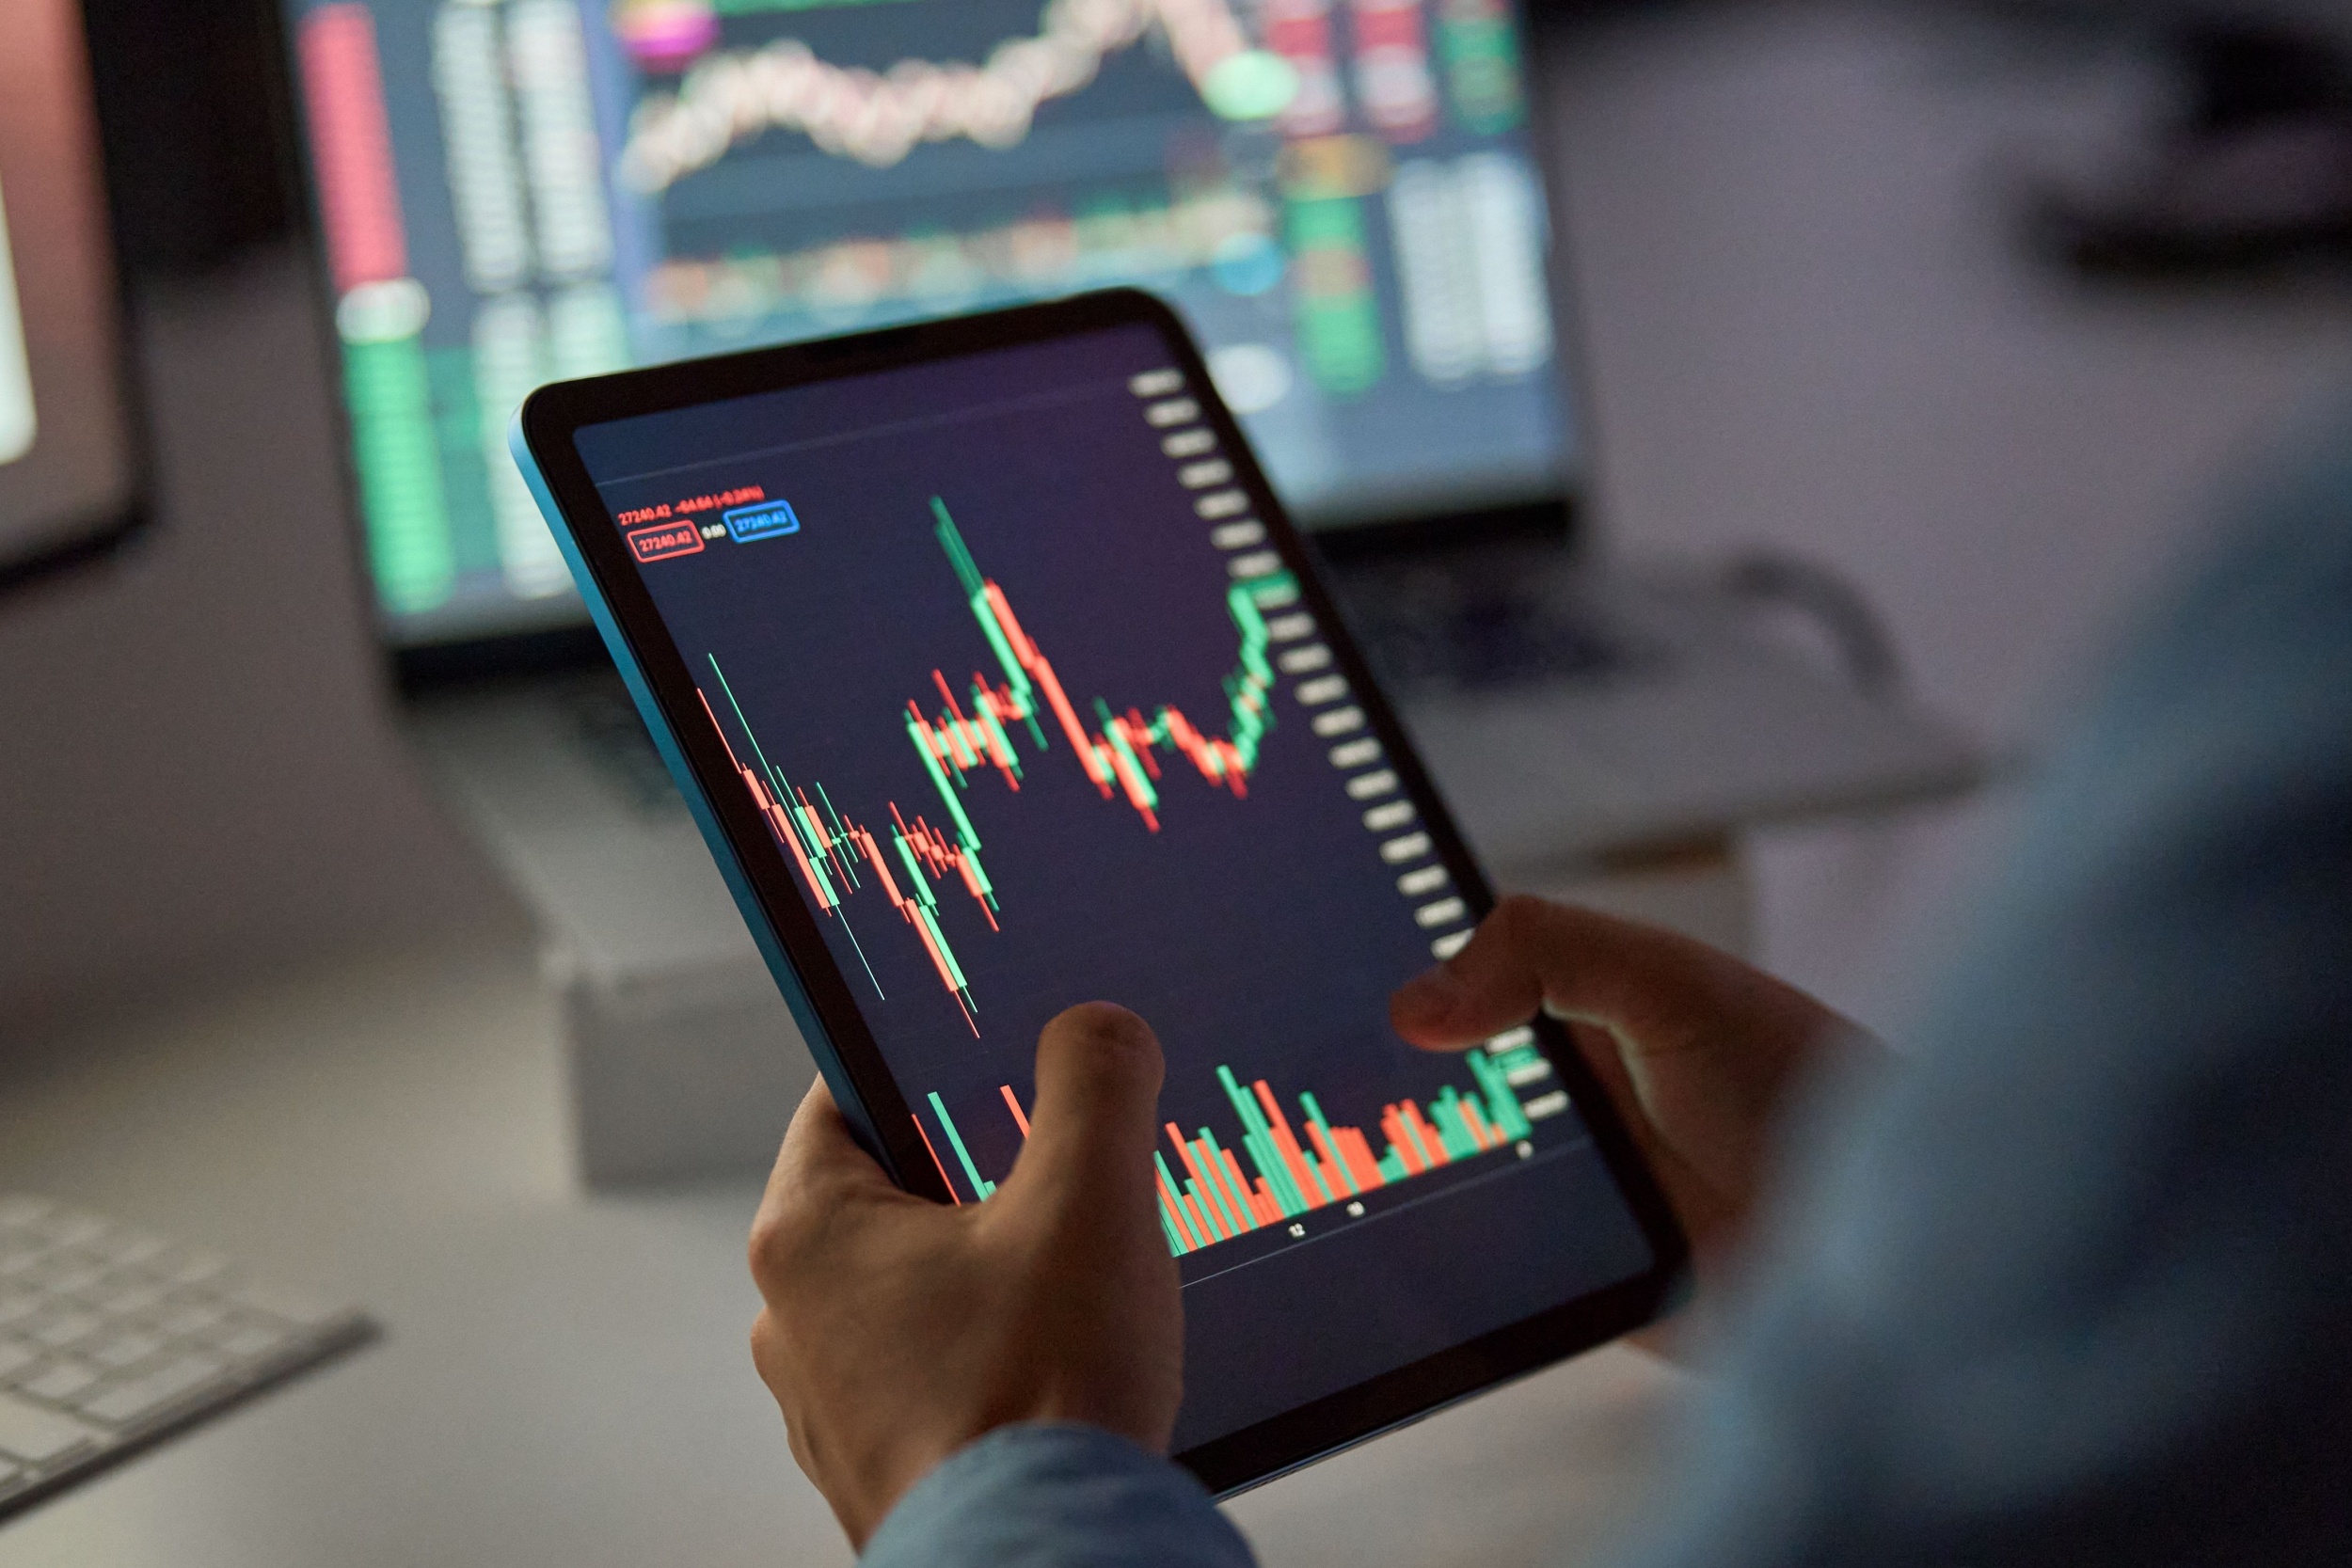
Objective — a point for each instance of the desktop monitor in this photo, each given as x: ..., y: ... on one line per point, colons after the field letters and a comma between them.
x: 1340, y: 197
x: 68, y: 473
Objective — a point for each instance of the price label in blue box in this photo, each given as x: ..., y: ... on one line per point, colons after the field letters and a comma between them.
x: 764, y: 521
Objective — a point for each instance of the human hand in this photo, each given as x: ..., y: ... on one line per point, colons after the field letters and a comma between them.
x: 895, y: 1330
x: 1698, y: 1050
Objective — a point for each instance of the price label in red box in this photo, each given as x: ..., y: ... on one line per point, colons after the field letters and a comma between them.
x: 664, y: 540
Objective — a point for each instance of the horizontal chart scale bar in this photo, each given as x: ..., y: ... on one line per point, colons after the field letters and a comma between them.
x: 1412, y: 847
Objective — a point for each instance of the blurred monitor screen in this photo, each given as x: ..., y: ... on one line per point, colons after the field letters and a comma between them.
x: 1338, y: 194
x: 66, y: 454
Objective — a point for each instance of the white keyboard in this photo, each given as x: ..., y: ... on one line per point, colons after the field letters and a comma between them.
x: 111, y: 1338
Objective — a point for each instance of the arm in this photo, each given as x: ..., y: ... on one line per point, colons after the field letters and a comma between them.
x: 2076, y: 1288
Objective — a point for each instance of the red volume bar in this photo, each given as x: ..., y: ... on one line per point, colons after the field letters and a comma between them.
x: 351, y: 137
x: 1214, y: 1200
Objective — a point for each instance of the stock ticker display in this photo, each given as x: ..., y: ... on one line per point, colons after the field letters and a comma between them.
x: 1337, y: 194
x: 1036, y: 715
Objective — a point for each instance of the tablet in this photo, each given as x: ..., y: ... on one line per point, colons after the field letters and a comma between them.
x: 998, y: 682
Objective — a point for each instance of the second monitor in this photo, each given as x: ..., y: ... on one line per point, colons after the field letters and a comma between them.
x: 1339, y: 197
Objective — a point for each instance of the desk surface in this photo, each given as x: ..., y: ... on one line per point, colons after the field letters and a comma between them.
x: 564, y: 1378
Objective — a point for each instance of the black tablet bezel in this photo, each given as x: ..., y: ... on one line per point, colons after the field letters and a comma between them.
x: 848, y: 1049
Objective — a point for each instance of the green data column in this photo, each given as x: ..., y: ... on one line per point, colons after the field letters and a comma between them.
x: 1494, y: 1084
x: 1480, y: 44
x: 395, y: 445
x: 1339, y: 318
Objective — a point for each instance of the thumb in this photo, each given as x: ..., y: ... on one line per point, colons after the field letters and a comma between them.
x: 1098, y: 1088
x: 1651, y: 988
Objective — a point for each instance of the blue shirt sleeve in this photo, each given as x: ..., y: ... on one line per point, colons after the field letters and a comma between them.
x: 1059, y: 1495
x: 2075, y: 1288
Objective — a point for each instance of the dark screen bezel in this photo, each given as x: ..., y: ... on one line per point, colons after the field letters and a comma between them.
x: 96, y: 532
x: 548, y: 420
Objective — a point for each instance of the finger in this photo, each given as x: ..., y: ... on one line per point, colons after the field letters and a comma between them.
x: 1098, y: 1088
x: 820, y: 1154
x: 1632, y: 978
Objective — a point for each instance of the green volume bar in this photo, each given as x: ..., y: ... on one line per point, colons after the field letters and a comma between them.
x: 1339, y: 319
x: 1503, y: 1105
x: 398, y: 455
x: 982, y: 1190
x: 1482, y: 64
x: 1205, y: 1197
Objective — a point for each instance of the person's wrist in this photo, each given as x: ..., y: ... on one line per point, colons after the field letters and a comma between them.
x: 901, y: 1474
x: 884, y: 1480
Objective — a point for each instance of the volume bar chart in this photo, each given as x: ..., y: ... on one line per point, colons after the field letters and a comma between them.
x: 1271, y: 1174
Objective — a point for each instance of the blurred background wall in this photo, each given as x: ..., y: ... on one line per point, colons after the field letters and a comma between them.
x: 1812, y: 320
x: 199, y: 776
x: 1808, y: 323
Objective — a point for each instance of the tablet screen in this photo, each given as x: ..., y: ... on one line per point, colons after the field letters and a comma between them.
x: 1002, y: 652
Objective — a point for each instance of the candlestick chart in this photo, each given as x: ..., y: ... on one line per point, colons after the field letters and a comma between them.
x: 1125, y: 754
x: 1207, y: 1196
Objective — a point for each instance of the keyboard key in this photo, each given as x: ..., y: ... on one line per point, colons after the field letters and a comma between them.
x: 193, y: 1268
x: 303, y: 1311
x: 34, y: 1435
x: 141, y: 1398
x: 250, y: 1341
x: 65, y: 1228
x: 129, y: 1300
x: 15, y: 1356
x: 62, y: 1381
x: 16, y: 1309
x: 123, y: 1350
x: 129, y: 1248
x: 12, y: 1476
x: 73, y: 1279
x: 19, y: 1210
x: 190, y: 1317
x: 64, y: 1328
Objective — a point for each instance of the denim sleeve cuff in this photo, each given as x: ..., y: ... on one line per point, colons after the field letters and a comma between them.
x: 1045, y: 1495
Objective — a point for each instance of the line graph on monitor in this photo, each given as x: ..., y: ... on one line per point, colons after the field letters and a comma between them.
x: 878, y: 118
